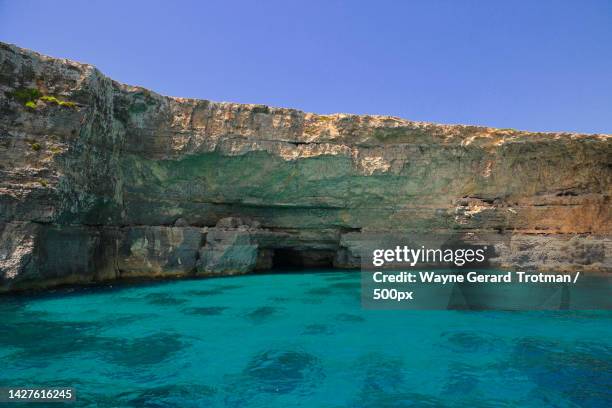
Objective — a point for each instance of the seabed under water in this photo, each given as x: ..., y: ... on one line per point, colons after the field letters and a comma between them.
x: 288, y: 340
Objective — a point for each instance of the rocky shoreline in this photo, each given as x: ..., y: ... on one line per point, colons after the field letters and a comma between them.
x: 101, y: 181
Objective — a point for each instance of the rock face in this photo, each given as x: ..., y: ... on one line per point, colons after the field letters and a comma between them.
x: 229, y: 249
x: 101, y: 181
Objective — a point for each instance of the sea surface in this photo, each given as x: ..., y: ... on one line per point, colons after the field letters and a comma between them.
x: 296, y: 340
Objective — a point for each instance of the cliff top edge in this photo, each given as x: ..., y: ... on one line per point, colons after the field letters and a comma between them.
x: 376, y: 121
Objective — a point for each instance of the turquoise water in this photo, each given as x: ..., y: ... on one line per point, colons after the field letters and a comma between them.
x: 296, y: 340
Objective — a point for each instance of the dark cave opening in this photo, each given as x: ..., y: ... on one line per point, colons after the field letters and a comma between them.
x: 286, y: 258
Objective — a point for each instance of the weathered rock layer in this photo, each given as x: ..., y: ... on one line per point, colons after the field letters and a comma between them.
x: 101, y: 181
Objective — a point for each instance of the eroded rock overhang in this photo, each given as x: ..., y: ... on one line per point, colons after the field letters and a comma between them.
x: 102, y: 181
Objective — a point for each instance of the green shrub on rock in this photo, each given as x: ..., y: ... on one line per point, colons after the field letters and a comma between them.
x: 53, y: 99
x: 29, y: 96
x: 26, y: 95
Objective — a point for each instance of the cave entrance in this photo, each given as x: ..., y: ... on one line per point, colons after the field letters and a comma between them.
x: 285, y: 258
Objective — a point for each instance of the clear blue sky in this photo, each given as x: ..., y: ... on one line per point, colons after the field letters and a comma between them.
x: 535, y: 65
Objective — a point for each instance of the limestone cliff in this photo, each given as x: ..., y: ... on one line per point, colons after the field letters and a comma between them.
x: 101, y: 181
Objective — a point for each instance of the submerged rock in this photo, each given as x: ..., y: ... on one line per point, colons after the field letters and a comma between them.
x: 101, y: 181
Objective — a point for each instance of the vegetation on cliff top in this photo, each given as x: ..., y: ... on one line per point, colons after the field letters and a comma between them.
x: 29, y: 97
x: 53, y: 99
